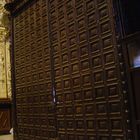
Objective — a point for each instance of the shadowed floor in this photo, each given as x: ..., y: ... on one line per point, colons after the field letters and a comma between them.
x: 6, y: 137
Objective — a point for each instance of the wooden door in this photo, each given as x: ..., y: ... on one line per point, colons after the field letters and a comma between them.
x: 69, y: 82
x: 32, y: 69
x: 86, y: 70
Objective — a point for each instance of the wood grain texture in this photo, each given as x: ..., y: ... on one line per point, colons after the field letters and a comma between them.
x: 67, y: 72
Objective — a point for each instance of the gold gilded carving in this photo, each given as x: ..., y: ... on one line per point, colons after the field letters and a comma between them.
x: 5, y: 69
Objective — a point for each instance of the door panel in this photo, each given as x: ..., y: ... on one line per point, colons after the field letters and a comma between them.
x: 86, y: 72
x: 67, y: 72
x: 34, y: 98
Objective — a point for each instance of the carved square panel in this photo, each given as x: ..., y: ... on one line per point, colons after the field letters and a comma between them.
x: 71, y: 28
x: 81, y: 137
x: 23, y: 70
x: 111, y: 74
x: 28, y: 59
x: 53, y: 15
x: 58, y: 84
x: 82, y: 36
x: 90, y: 5
x: 78, y: 2
x: 51, y: 122
x: 68, y: 97
x: 91, y: 137
x: 44, y: 133
x: 41, y: 64
x: 62, y: 136
x: 34, y: 77
x: 93, y: 32
x: 76, y: 82
x: 22, y: 60
x: 57, y: 72
x: 115, y: 137
x: 85, y: 64
x: 62, y: 33
x: 70, y: 124
x: 86, y: 80
x: 81, y: 23
x: 61, y: 21
x: 54, y: 37
x: 116, y: 124
x: 103, y: 124
x: 98, y: 77
x: 109, y: 57
x: 75, y: 67
x: 60, y: 2
x: 88, y: 94
x: 101, y: 1
x: 72, y: 40
x: 77, y: 96
x: 95, y: 46
x: 55, y: 47
x: 80, y: 124
x: 61, y: 124
x: 70, y: 16
x: 61, y: 10
x: 65, y: 58
x: 89, y: 109
x: 69, y: 110
x: 71, y: 136
x: 50, y: 98
x: 63, y: 44
x: 104, y: 138
x: 100, y: 92
x: 51, y: 133
x: 84, y: 50
x: 80, y: 10
x: 114, y: 107
x: 69, y: 5
x: 107, y: 42
x: 113, y: 90
x: 56, y: 61
x: 91, y: 18
x: 103, y: 12
x: 53, y: 25
x: 43, y: 98
x: 105, y: 27
x: 60, y: 110
x: 59, y: 98
x: 66, y: 83
x: 90, y: 124
x: 101, y: 108
x: 74, y: 54
x: 66, y: 70
x: 79, y: 109
x: 97, y: 61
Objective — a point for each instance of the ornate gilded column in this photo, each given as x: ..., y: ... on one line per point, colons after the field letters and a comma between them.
x: 5, y: 74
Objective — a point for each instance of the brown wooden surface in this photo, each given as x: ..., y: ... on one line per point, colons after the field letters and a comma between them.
x: 5, y: 116
x: 67, y: 72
